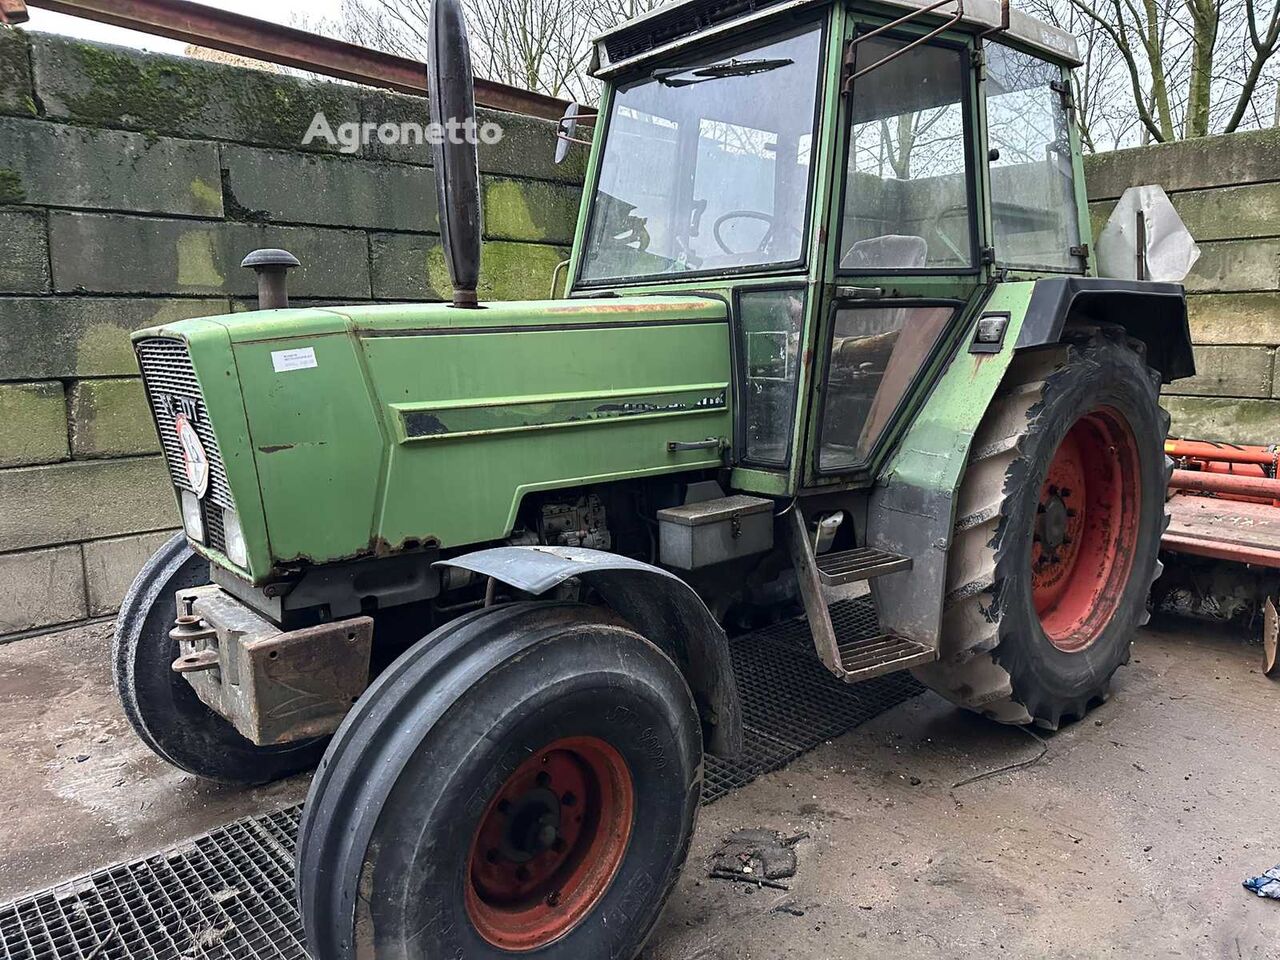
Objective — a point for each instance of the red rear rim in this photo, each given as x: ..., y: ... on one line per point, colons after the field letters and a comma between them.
x: 1086, y: 529
x: 549, y: 843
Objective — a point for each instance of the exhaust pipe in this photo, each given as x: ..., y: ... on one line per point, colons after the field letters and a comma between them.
x: 452, y: 98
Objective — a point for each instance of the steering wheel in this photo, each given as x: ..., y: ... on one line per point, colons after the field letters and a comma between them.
x: 766, y: 241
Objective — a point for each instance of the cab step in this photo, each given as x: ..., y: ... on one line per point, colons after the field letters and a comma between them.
x: 860, y: 563
x: 847, y: 647
x: 862, y: 658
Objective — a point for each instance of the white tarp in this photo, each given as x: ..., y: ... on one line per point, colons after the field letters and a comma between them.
x: 1171, y: 250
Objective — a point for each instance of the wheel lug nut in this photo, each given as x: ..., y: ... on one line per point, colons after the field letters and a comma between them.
x: 553, y: 899
x: 492, y: 856
x: 503, y: 806
x: 568, y: 800
x: 544, y: 779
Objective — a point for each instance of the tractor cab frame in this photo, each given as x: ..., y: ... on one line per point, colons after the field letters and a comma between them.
x: 851, y: 182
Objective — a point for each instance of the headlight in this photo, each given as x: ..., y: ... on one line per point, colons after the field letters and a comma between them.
x: 192, y: 521
x: 237, y: 552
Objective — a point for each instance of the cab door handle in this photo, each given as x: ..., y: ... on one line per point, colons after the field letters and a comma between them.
x: 679, y: 446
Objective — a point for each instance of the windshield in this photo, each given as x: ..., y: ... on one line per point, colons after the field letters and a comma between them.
x: 706, y: 164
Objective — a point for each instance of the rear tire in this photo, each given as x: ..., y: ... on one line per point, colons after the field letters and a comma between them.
x: 524, y: 779
x: 161, y: 706
x: 1056, y: 544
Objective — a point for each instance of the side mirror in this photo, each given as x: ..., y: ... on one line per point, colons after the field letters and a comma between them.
x: 567, y: 130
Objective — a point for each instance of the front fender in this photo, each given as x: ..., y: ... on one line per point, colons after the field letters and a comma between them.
x: 661, y: 606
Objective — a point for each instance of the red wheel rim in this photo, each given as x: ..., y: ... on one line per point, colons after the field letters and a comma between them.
x: 549, y: 843
x: 1086, y: 529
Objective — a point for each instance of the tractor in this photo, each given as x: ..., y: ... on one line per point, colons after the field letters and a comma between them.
x: 831, y: 327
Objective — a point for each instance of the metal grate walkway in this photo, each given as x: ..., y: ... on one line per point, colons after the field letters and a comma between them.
x: 229, y: 894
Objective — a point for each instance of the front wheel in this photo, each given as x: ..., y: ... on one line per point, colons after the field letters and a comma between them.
x: 161, y: 706
x: 525, y: 779
x: 1059, y: 520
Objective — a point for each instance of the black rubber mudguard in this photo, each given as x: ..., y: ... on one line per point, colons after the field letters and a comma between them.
x: 1155, y: 313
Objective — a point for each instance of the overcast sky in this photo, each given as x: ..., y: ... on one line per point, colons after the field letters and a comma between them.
x: 281, y: 11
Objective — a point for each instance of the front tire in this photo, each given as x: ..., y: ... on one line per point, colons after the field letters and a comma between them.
x: 160, y: 705
x: 524, y: 779
x: 1060, y: 516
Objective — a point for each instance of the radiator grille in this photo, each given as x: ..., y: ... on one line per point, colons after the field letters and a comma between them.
x: 171, y: 383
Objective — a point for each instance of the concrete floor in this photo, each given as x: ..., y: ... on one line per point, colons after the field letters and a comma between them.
x: 1129, y: 838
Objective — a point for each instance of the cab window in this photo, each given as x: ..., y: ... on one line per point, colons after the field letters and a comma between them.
x: 1033, y: 190
x: 907, y: 196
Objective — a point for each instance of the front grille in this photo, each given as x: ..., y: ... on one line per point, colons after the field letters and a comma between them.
x: 687, y: 20
x: 171, y: 380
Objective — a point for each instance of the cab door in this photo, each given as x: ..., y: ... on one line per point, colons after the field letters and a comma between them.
x: 907, y: 261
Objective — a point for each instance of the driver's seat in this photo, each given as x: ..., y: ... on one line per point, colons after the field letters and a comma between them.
x: 890, y: 252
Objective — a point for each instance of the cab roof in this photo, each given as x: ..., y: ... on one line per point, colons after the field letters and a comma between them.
x: 677, y: 23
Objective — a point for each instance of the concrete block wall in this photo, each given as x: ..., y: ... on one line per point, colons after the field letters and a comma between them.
x: 131, y: 186
x: 1227, y: 191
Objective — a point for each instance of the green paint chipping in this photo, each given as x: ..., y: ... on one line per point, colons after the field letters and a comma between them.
x: 11, y: 189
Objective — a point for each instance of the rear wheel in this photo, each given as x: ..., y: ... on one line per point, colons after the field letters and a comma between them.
x: 161, y: 706
x: 1059, y: 522
x: 524, y: 779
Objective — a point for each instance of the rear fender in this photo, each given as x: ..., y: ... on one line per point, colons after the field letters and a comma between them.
x: 1155, y: 313
x: 658, y: 604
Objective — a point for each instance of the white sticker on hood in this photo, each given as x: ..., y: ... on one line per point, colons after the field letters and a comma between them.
x: 300, y: 359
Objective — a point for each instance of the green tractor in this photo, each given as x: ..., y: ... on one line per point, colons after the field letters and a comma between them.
x: 831, y: 324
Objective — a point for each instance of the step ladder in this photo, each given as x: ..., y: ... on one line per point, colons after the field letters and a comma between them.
x: 850, y: 655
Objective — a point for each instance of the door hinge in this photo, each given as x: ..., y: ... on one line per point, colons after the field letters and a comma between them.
x: 988, y: 256
x: 1080, y: 250
x: 846, y: 68
x: 1063, y: 89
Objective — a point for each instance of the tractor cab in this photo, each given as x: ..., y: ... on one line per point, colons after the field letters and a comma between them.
x: 849, y: 179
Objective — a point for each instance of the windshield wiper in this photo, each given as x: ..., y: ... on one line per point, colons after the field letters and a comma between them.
x: 688, y: 76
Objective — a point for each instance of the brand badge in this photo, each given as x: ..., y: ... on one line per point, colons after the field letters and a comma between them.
x: 193, y: 456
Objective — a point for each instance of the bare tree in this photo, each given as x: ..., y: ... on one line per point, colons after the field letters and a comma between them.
x: 542, y: 45
x: 1190, y: 67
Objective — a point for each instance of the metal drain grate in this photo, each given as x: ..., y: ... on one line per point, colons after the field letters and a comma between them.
x: 229, y: 895
x: 791, y: 703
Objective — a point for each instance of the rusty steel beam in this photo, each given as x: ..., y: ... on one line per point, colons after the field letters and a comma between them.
x: 13, y: 12
x: 261, y: 40
x: 1225, y: 453
x: 1231, y: 484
